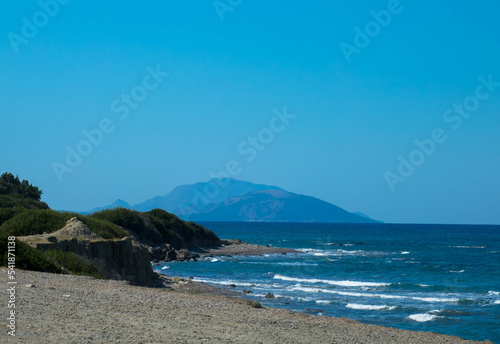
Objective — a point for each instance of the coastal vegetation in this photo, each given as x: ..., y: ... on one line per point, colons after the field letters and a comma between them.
x: 22, y: 213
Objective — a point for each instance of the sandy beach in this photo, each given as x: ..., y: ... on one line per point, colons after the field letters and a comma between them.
x: 54, y: 308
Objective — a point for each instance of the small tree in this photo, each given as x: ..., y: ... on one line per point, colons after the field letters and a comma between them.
x: 10, y: 184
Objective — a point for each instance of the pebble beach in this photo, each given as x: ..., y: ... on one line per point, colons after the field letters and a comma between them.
x: 54, y: 308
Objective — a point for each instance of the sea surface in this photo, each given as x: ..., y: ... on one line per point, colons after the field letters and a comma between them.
x: 436, y: 278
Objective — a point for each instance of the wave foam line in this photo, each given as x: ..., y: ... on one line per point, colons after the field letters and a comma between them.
x: 223, y: 282
x: 369, y: 307
x: 382, y: 296
x: 338, y: 283
x: 424, y: 317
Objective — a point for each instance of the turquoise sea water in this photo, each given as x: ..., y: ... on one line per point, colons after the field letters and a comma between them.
x: 438, y: 278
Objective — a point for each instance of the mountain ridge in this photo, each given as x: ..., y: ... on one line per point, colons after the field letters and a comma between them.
x: 230, y: 199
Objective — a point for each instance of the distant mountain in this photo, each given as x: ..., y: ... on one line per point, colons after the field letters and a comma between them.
x: 235, y: 200
x: 186, y: 199
x: 116, y: 204
x: 277, y: 206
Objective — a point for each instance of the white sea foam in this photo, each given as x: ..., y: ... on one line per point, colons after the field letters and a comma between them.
x: 296, y: 264
x: 457, y: 271
x: 423, y: 317
x: 360, y: 252
x: 213, y: 260
x: 497, y: 302
x: 342, y: 253
x: 258, y: 295
x: 165, y: 267
x: 338, y: 283
x: 381, y: 296
x: 222, y: 282
x: 492, y: 292
x: 323, y: 302
x: 335, y: 244
x: 468, y: 246
x: 336, y: 252
x: 435, y: 299
x: 405, y: 252
x: 369, y: 307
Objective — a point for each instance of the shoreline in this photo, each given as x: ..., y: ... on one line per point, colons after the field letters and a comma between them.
x: 234, y: 247
x: 79, y: 309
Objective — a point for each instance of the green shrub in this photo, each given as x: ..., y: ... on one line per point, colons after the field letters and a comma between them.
x: 104, y: 228
x: 32, y: 222
x: 15, y: 200
x: 164, y: 225
x: 27, y: 258
x: 70, y: 262
x: 177, y: 232
x: 8, y: 213
x: 122, y: 217
x: 7, y: 201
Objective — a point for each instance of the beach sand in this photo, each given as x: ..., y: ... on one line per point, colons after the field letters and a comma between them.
x: 52, y: 308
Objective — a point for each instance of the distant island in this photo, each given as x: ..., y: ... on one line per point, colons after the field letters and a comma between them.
x: 229, y: 199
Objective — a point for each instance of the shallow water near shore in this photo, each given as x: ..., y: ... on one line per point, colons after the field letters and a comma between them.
x: 435, y: 278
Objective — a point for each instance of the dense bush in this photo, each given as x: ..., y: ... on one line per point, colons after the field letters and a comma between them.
x: 15, y: 200
x: 164, y: 223
x: 178, y: 232
x: 105, y: 229
x: 32, y: 222
x: 122, y: 217
x: 8, y: 213
x: 72, y: 263
x: 27, y: 258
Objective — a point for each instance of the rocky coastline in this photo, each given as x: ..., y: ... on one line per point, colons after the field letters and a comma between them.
x: 228, y: 247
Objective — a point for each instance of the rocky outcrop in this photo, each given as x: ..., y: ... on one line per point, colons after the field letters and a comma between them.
x: 158, y: 254
x: 122, y: 259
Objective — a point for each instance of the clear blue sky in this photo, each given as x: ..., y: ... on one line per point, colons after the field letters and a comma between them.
x: 61, y: 73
